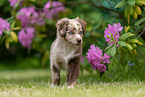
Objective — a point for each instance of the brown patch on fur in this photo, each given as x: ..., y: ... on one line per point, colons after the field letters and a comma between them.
x: 83, y: 23
x: 61, y: 63
x: 62, y: 26
x: 55, y: 75
x: 55, y: 69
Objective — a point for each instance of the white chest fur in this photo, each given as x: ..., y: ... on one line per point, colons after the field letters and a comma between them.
x: 65, y: 51
x: 68, y: 53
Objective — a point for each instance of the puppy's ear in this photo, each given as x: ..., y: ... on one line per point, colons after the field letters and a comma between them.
x: 83, y: 23
x: 62, y: 26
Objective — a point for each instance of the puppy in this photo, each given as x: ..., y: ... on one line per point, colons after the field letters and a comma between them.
x: 66, y: 50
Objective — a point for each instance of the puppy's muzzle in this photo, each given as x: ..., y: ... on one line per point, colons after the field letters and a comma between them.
x: 79, y: 40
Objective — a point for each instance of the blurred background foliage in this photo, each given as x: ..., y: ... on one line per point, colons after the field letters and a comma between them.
x: 97, y: 13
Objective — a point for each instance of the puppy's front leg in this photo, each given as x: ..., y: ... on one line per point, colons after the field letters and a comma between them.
x: 55, y: 75
x: 74, y: 70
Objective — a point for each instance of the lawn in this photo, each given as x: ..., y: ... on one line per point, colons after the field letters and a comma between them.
x: 37, y: 83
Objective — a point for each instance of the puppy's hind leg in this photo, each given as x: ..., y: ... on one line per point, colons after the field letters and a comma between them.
x: 55, y: 75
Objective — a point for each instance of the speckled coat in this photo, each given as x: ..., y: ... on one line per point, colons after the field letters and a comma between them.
x: 66, y: 50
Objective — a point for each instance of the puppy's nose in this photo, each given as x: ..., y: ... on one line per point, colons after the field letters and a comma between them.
x: 79, y: 40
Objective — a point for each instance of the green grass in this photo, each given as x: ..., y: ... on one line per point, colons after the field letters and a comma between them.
x: 37, y: 83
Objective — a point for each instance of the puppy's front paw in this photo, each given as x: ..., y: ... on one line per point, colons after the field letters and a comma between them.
x: 52, y: 85
x: 71, y: 87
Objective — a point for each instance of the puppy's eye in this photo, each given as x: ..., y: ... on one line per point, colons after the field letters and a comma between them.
x: 70, y: 32
x: 80, y: 32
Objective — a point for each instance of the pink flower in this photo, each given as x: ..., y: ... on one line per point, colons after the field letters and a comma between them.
x: 101, y: 67
x: 4, y: 25
x: 106, y: 58
x: 25, y: 37
x: 49, y: 13
x: 115, y: 29
x: 95, y: 58
x: 94, y: 55
x: 13, y: 2
x: 30, y: 16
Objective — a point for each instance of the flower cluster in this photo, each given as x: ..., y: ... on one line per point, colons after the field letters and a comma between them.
x: 30, y: 16
x: 114, y: 30
x: 56, y: 8
x: 25, y: 37
x: 4, y: 25
x: 96, y: 58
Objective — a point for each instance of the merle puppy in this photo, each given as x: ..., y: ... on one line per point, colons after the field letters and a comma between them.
x: 66, y: 50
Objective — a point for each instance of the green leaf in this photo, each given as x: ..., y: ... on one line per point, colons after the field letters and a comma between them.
x: 111, y: 34
x: 16, y: 28
x: 130, y: 8
x: 2, y: 39
x: 134, y: 45
x: 111, y: 41
x: 13, y: 24
x: 127, y: 28
x: 135, y: 41
x: 129, y: 47
x: 112, y: 51
x: 139, y: 21
x: 131, y: 2
x: 134, y: 52
x: 109, y: 51
x: 7, y: 43
x: 108, y: 36
x: 17, y: 4
x: 140, y: 43
x: 126, y: 35
x: 121, y: 43
x: 10, y: 39
x: 120, y: 4
x: 115, y: 34
x: 126, y: 12
x: 7, y: 32
x: 132, y: 41
x: 14, y: 36
x: 108, y: 47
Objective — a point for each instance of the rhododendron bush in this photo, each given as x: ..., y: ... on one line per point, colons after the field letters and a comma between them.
x: 28, y: 24
x: 116, y: 43
x: 31, y: 17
